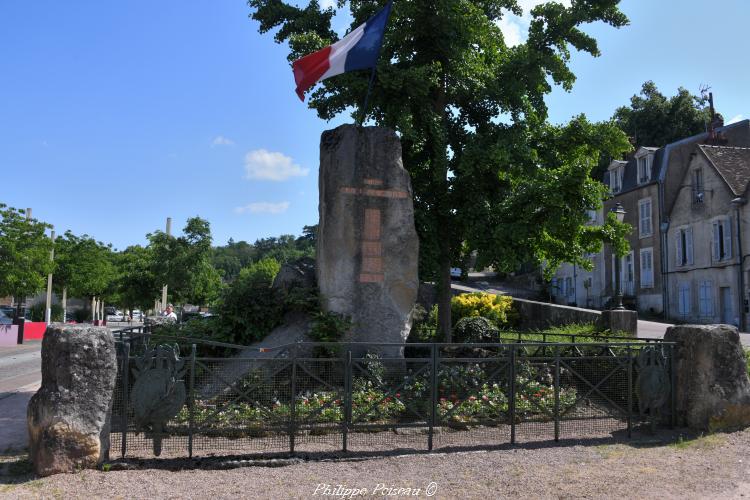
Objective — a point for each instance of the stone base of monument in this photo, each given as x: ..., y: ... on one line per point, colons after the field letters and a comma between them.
x: 712, y: 389
x: 68, y: 417
x: 620, y: 321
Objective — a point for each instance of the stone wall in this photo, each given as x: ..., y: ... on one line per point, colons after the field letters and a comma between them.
x: 540, y: 315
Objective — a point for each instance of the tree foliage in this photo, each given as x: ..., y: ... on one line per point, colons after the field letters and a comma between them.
x: 83, y: 265
x: 183, y: 263
x: 24, y: 253
x: 471, y: 114
x: 653, y: 119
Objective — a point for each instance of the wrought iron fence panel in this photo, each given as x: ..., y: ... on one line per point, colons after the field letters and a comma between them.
x: 186, y: 398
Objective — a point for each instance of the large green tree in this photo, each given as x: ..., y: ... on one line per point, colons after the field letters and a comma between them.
x: 471, y: 115
x: 184, y: 263
x: 653, y: 119
x: 83, y: 266
x: 24, y: 254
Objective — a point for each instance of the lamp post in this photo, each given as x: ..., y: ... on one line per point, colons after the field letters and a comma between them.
x: 619, y: 212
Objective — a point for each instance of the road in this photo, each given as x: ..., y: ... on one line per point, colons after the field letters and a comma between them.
x: 19, y: 366
x: 20, y: 377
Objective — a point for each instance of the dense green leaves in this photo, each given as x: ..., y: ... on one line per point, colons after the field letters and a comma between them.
x: 486, y: 169
x: 83, y: 265
x: 183, y: 263
x: 652, y: 119
x: 24, y: 253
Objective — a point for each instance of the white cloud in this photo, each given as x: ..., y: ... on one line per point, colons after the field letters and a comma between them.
x: 264, y: 207
x: 271, y: 166
x: 516, y: 28
x: 326, y: 4
x: 735, y: 119
x: 220, y: 140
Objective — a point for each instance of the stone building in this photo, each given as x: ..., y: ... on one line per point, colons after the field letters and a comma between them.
x: 708, y: 230
x: 647, y: 185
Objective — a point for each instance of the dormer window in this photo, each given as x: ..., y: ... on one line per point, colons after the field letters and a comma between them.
x: 644, y: 159
x: 615, y: 178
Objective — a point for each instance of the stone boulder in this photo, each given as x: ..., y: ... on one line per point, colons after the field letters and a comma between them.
x: 68, y: 417
x: 712, y: 390
x: 367, y: 247
x: 297, y: 273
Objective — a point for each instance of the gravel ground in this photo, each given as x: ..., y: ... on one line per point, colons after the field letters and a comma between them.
x: 714, y: 466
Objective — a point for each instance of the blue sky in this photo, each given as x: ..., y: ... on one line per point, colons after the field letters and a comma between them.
x: 116, y: 115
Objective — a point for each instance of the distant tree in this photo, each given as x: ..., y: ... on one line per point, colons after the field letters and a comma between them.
x: 84, y: 266
x: 136, y: 285
x: 184, y: 263
x: 652, y: 119
x: 232, y: 257
x: 24, y: 254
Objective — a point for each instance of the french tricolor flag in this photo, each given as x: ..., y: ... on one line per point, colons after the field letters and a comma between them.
x: 357, y: 50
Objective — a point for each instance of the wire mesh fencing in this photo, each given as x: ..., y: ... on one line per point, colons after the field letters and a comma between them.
x: 178, y: 397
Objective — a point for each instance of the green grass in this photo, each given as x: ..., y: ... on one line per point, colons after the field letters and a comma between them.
x: 578, y: 333
x: 747, y: 361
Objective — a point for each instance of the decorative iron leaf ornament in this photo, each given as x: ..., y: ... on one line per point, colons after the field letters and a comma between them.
x: 652, y: 385
x: 158, y: 392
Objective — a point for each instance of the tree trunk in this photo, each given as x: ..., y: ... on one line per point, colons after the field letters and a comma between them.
x: 65, y: 304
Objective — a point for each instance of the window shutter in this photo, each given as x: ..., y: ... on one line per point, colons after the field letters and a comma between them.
x: 678, y: 248
x: 716, y: 247
x: 689, y: 245
x: 727, y: 238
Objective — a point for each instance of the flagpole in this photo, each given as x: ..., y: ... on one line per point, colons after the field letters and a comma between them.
x: 363, y: 111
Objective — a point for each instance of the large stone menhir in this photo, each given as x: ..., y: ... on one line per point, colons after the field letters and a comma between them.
x: 712, y: 389
x: 367, y: 249
x: 68, y: 417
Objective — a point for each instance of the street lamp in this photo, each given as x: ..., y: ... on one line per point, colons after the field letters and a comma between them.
x: 619, y: 212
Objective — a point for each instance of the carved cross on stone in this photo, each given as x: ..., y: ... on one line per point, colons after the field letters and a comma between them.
x: 371, y: 264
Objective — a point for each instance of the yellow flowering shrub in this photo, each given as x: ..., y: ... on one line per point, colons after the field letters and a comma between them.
x: 496, y: 308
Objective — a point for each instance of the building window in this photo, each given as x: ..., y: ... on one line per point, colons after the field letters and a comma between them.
x: 615, y: 179
x: 705, y: 300
x: 644, y: 217
x: 647, y: 268
x: 683, y: 295
x: 569, y: 286
x: 722, y: 240
x: 591, y: 216
x: 644, y: 169
x: 684, y: 246
x: 698, y: 188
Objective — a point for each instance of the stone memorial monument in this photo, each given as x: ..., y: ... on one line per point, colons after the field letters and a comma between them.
x: 367, y: 250
x: 68, y: 417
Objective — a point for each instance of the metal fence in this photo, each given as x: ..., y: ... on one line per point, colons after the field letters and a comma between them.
x: 180, y: 397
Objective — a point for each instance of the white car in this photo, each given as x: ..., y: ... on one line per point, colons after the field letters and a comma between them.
x: 456, y: 272
x: 117, y: 316
x: 137, y: 314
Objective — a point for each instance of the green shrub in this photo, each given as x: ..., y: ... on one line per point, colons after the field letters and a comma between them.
x: 747, y: 360
x: 329, y: 326
x: 475, y: 329
x: 37, y: 312
x: 249, y: 308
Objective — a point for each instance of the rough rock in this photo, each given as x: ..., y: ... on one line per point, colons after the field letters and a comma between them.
x: 712, y: 389
x: 68, y: 417
x: 620, y: 322
x: 367, y: 248
x: 300, y: 272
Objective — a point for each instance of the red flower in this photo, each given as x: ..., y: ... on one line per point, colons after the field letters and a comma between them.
x: 484, y: 397
x: 472, y: 398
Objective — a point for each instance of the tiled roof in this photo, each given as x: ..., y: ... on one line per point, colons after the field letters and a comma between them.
x: 733, y: 163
